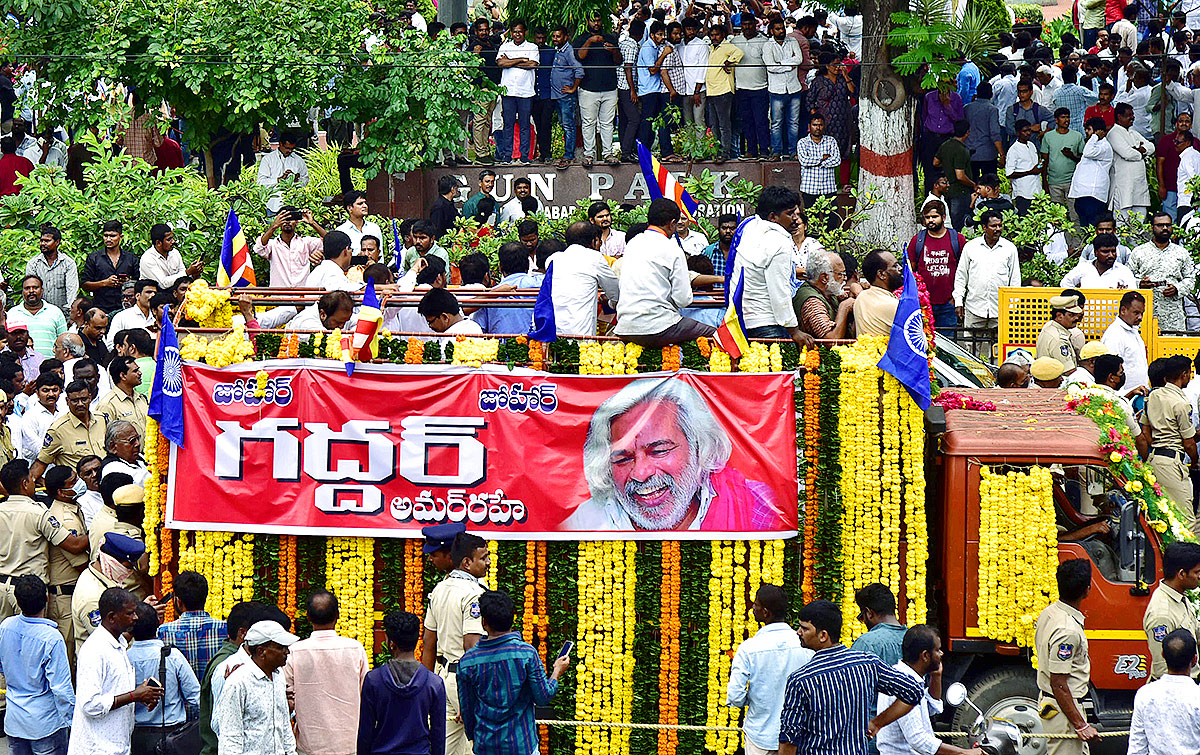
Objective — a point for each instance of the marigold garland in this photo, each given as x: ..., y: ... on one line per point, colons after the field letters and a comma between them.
x: 226, y: 559
x: 474, y: 351
x: 287, y: 575
x: 350, y: 575
x: 152, y: 516
x: 209, y: 307
x: 811, y: 439
x: 607, y: 580
x: 1018, y: 552
x: 728, y: 577
x: 414, y: 582
x: 668, y: 659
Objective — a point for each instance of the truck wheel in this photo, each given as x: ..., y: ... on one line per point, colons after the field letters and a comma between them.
x: 1007, y: 693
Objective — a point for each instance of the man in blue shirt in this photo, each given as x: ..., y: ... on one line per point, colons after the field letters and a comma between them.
x: 829, y: 702
x: 181, y: 688
x: 885, y: 633
x: 514, y: 266
x: 651, y: 91
x: 500, y: 680
x: 197, y: 635
x: 33, y: 658
x: 968, y: 81
x: 761, y: 668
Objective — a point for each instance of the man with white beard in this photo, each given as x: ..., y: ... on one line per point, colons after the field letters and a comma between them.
x: 816, y: 301
x: 655, y: 459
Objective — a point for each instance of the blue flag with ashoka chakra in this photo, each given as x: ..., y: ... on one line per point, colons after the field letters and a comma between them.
x: 166, y: 392
x: 907, y: 355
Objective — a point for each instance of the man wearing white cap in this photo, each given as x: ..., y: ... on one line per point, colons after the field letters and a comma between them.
x: 253, y: 709
x: 1055, y: 339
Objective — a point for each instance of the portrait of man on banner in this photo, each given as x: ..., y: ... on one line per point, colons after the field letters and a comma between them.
x: 656, y: 458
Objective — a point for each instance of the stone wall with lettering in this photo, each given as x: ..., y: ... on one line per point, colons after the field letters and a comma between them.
x: 410, y: 195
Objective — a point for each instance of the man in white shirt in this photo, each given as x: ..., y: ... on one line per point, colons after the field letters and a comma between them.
x: 1024, y: 166
x: 761, y: 667
x: 38, y: 416
x: 330, y: 275
x: 106, y: 687
x: 252, y: 710
x: 1090, y: 182
x: 920, y: 659
x: 140, y: 315
x: 440, y: 309
x: 691, y: 239
x: 523, y: 203
x: 357, y: 225
x: 656, y: 284
x: 612, y: 241
x: 281, y: 167
x: 1124, y: 338
x: 986, y: 264
x: 518, y: 61
x: 1130, y: 190
x: 782, y: 56
x: 695, y: 67
x: 1189, y: 168
x: 333, y: 310
x: 578, y: 274
x: 1126, y: 27
x: 162, y: 262
x: 1103, y: 271
x: 763, y: 265
x: 1166, y: 712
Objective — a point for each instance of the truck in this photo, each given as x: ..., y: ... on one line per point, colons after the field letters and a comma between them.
x: 1034, y: 427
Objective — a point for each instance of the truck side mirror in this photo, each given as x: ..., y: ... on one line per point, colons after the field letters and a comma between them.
x: 956, y: 694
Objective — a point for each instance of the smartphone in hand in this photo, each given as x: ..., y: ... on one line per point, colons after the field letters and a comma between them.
x: 566, y: 649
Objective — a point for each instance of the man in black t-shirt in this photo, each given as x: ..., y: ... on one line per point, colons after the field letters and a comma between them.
x: 8, y: 97
x: 599, y: 54
x: 485, y: 45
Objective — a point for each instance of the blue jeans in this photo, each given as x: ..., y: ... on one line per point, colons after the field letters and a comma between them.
x: 753, y: 107
x: 55, y: 744
x: 1170, y: 205
x: 653, y: 104
x: 516, y: 110
x: 768, y: 331
x: 566, y: 116
x: 944, y: 318
x: 785, y: 123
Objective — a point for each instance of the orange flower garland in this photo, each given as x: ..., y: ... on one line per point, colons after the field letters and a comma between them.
x: 668, y: 658
x: 705, y: 346
x: 672, y: 358
x: 289, y: 347
x: 287, y: 575
x: 414, y: 353
x: 414, y: 582
x: 537, y: 355
x: 812, y: 437
x: 528, y: 615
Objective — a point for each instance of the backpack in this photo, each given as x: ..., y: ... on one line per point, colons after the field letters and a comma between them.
x: 955, y: 242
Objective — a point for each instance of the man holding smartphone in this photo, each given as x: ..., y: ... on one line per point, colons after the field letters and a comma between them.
x: 503, y: 661
x: 280, y: 168
x: 106, y: 270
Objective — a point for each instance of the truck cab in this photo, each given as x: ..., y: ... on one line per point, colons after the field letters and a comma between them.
x: 1095, y: 520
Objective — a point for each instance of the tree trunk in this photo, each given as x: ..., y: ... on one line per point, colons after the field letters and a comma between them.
x: 208, y: 168
x: 885, y: 162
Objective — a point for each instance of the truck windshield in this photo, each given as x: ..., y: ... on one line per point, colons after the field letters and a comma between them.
x: 1092, y: 510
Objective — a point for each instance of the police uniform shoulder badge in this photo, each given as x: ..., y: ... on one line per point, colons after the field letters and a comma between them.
x: 1065, y: 651
x: 1159, y: 632
x: 94, y: 618
x: 54, y: 523
x: 47, y: 441
x: 474, y: 610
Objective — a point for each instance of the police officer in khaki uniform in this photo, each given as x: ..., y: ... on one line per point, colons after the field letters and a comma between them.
x: 1167, y: 430
x: 74, y: 435
x: 118, y: 557
x: 453, y: 626
x: 123, y: 401
x: 1055, y: 339
x: 1063, y: 667
x: 27, y: 529
x: 128, y: 507
x: 439, y: 542
x: 65, y: 566
x: 8, y: 451
x: 1169, y: 609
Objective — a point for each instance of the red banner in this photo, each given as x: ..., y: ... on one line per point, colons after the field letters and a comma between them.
x: 513, y: 455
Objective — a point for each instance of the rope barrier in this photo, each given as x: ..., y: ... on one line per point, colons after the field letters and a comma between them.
x: 687, y: 727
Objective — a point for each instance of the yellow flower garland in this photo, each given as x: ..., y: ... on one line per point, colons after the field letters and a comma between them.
x: 226, y: 559
x: 604, y: 692
x: 207, y: 306
x: 883, y: 484
x: 1018, y: 552
x: 152, y: 518
x: 350, y: 575
x: 474, y: 351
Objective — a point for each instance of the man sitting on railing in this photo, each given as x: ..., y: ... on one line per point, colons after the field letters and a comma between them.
x: 333, y: 310
x: 579, y: 274
x: 440, y: 309
x: 331, y: 274
x: 514, y: 266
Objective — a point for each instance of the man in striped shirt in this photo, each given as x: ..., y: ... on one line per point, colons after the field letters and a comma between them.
x: 500, y: 680
x: 828, y: 703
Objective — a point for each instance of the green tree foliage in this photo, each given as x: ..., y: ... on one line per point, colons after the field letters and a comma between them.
x: 129, y: 190
x: 928, y: 35
x: 550, y: 13
x: 414, y: 93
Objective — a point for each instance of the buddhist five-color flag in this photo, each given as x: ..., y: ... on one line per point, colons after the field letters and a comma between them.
x: 661, y: 183
x: 731, y: 334
x: 237, y: 267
